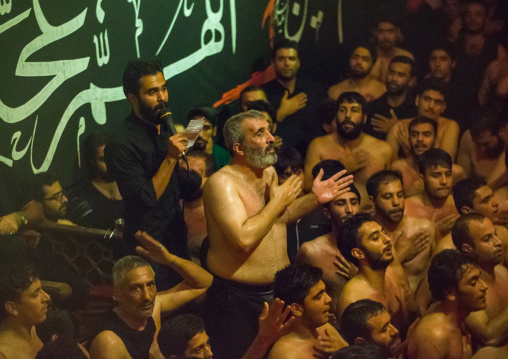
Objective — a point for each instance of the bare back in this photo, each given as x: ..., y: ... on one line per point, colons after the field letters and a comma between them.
x: 228, y: 197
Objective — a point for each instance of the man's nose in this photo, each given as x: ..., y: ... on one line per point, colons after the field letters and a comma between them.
x: 349, y: 208
x: 395, y: 201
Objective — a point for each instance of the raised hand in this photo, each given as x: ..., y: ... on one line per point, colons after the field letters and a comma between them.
x: 329, y: 343
x: 152, y: 249
x: 445, y: 224
x: 344, y: 268
x: 409, y: 247
x: 274, y: 322
x: 177, y: 145
x: 384, y: 124
x: 287, y: 192
x: 332, y: 187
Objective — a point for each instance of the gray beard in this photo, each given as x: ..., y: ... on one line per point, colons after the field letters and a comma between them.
x: 258, y: 158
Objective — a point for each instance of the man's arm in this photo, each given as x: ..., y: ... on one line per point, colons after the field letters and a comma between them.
x: 322, y: 192
x: 490, y: 332
x: 465, y: 151
x: 223, y: 203
x: 450, y: 139
x: 393, y: 137
x: 195, y: 282
x: 32, y: 212
x: 107, y: 345
x: 429, y: 343
x: 311, y: 159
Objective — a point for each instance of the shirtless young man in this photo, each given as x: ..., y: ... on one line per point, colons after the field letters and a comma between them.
x: 422, y: 137
x: 130, y: 330
x: 386, y: 35
x: 323, y: 252
x: 475, y: 234
x: 23, y: 305
x: 430, y: 102
x: 441, y: 334
x: 365, y: 243
x: 361, y: 154
x: 360, y: 64
x: 436, y: 202
x: 412, y: 237
x: 300, y: 286
x: 247, y: 213
x: 481, y: 146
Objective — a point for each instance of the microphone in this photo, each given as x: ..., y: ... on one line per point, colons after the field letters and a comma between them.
x: 166, y: 118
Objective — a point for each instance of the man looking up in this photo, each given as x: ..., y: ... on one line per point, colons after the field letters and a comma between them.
x: 301, y: 287
x: 247, y: 212
x: 295, y: 99
x: 422, y: 137
x: 142, y: 159
x: 397, y: 102
x: 413, y: 238
x: 205, y: 141
x: 386, y: 36
x: 130, y: 330
x: 455, y: 282
x: 367, y: 321
x: 430, y: 102
x: 23, y: 305
x: 323, y: 252
x: 365, y: 243
x: 476, y: 235
x: 360, y: 63
x: 361, y: 154
x: 435, y: 203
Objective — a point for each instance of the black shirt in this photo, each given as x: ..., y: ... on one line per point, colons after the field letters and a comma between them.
x: 300, y: 128
x: 133, y: 158
x: 381, y: 107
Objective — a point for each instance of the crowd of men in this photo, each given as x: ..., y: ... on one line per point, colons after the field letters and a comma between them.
x: 366, y: 221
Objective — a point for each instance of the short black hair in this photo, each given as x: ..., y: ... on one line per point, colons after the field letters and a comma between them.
x: 351, y: 97
x: 369, y: 47
x: 485, y: 120
x: 433, y: 158
x: 175, y: 334
x: 381, y: 177
x: 464, y: 191
x: 360, y: 351
x: 446, y: 271
x: 208, y: 113
x: 92, y: 143
x: 211, y: 165
x: 288, y: 157
x: 262, y: 106
x: 460, y: 230
x: 135, y: 70
x: 433, y: 84
x: 14, y: 280
x: 326, y: 111
x: 349, y: 236
x: 446, y: 46
x: 39, y: 181
x: 387, y: 16
x: 284, y: 44
x: 423, y: 119
x: 405, y: 60
x: 355, y: 316
x: 293, y: 283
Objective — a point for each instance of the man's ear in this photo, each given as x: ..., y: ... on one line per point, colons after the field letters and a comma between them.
x: 412, y: 82
x: 451, y: 296
x: 326, y: 212
x: 11, y: 308
x: 420, y: 177
x: 238, y: 148
x: 359, y: 341
x: 357, y: 253
x: 297, y: 309
x: 466, y: 248
x: 364, y: 119
x: 417, y: 100
x: 466, y: 210
x: 132, y: 98
x: 372, y: 201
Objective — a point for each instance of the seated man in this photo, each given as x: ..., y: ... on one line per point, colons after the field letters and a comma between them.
x: 322, y: 251
x: 360, y: 64
x: 412, y: 237
x: 422, y: 137
x: 205, y: 141
x: 301, y: 285
x: 481, y: 146
x: 367, y: 321
x: 436, y: 202
x: 430, y: 102
x: 48, y: 191
x: 455, y: 282
x: 364, y: 242
x: 130, y: 329
x: 23, y: 305
x: 397, y: 102
x: 361, y: 154
x: 474, y: 234
x: 95, y: 201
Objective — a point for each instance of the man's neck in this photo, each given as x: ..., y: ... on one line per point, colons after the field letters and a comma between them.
x: 452, y: 312
x: 16, y: 329
x: 395, y: 101
x: 473, y: 37
x: 247, y: 171
x: 289, y: 84
x: 137, y: 323
x: 138, y: 115
x: 388, y: 225
x: 434, y: 201
x: 386, y: 53
x: 209, y: 147
x: 351, y: 144
x: 359, y: 82
x: 302, y: 331
x: 108, y: 188
x: 376, y: 277
x: 487, y: 273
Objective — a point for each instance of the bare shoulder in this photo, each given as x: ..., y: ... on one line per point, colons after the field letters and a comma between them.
x: 2, y: 356
x: 414, y: 200
x: 399, y: 164
x: 285, y: 348
x: 309, y: 251
x: 377, y: 145
x: 108, y: 345
x: 447, y: 123
x: 445, y: 243
x: 420, y: 223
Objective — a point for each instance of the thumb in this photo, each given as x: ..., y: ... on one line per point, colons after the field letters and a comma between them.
x: 286, y: 94
x: 392, y: 112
